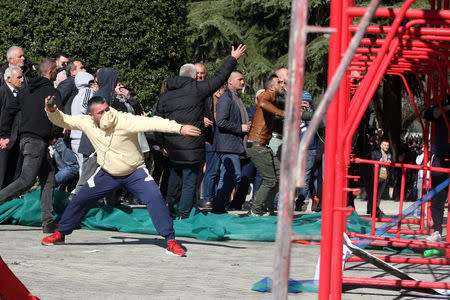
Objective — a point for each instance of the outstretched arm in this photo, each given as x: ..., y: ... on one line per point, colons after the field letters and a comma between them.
x: 239, y: 51
x: 190, y: 131
x: 213, y: 83
x: 62, y: 120
x: 156, y: 124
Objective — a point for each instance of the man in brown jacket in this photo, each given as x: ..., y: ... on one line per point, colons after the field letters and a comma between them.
x: 261, y: 155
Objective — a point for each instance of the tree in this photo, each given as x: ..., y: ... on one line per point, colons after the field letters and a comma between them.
x: 144, y: 40
x: 264, y: 27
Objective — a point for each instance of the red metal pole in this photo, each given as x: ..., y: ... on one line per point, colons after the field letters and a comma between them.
x: 407, y: 260
x: 410, y: 14
x: 447, y: 251
x: 397, y: 283
x: 374, y: 198
x: 336, y: 14
x: 412, y: 100
x: 370, y: 82
x: 402, y: 198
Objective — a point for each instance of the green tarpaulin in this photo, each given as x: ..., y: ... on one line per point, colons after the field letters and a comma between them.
x: 201, y: 226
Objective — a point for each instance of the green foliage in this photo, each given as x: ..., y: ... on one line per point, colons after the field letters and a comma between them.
x: 143, y: 39
x: 213, y: 26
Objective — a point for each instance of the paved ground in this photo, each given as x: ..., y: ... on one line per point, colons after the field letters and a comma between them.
x: 114, y: 265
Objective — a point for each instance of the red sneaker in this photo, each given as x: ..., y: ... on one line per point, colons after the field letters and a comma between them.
x: 54, y: 239
x: 174, y: 249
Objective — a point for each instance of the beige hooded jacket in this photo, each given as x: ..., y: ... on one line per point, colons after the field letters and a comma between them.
x: 115, y: 140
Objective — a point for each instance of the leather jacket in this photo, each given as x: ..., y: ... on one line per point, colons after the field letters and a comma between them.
x: 262, y: 124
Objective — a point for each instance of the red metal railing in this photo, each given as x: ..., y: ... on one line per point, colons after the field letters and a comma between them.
x: 419, y: 47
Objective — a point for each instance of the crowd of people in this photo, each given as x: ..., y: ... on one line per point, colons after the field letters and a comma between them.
x: 198, y: 145
x: 86, y: 142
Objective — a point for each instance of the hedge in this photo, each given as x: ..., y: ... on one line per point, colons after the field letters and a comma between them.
x: 143, y: 39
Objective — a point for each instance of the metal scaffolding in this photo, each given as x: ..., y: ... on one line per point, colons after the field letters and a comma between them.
x: 418, y: 43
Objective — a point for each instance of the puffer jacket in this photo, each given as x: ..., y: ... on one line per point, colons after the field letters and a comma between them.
x: 184, y: 103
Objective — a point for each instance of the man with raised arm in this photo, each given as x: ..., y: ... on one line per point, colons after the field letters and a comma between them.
x: 114, y: 136
x: 184, y: 102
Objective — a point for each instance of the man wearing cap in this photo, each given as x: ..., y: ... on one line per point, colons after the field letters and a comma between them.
x: 305, y: 194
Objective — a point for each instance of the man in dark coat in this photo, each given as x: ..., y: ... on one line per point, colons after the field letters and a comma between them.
x: 381, y: 154
x: 232, y: 124
x: 184, y: 102
x: 36, y: 133
x: 440, y: 159
x: 67, y: 87
x: 9, y: 158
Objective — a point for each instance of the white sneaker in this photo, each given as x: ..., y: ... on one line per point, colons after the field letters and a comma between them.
x: 435, y: 237
x: 305, y: 204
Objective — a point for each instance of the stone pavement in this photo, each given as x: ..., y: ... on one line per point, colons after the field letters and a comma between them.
x: 115, y: 265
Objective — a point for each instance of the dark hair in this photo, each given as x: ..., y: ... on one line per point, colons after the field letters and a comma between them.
x: 71, y: 66
x: 59, y: 54
x: 268, y: 81
x: 95, y: 100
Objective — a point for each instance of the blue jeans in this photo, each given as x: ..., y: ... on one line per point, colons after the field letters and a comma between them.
x: 139, y: 183
x: 248, y: 175
x: 36, y: 162
x: 185, y: 177
x: 211, y: 172
x: 66, y: 162
x: 230, y: 175
x: 305, y: 192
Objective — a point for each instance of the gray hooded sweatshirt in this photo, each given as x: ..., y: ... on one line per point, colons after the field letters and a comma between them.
x: 80, y: 101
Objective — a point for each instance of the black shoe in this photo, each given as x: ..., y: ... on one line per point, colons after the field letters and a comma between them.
x: 49, y: 228
x: 219, y: 211
x: 380, y: 214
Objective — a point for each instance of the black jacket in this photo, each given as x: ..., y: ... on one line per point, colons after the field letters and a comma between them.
x: 184, y: 103
x: 209, y: 113
x: 228, y: 135
x: 68, y: 91
x: 28, y: 70
x: 6, y: 96
x: 34, y: 121
x: 441, y: 145
x: 106, y: 78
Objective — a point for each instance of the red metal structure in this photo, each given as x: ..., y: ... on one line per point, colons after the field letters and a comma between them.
x: 416, y: 43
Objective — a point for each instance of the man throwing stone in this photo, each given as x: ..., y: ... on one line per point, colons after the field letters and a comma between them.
x: 114, y: 136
